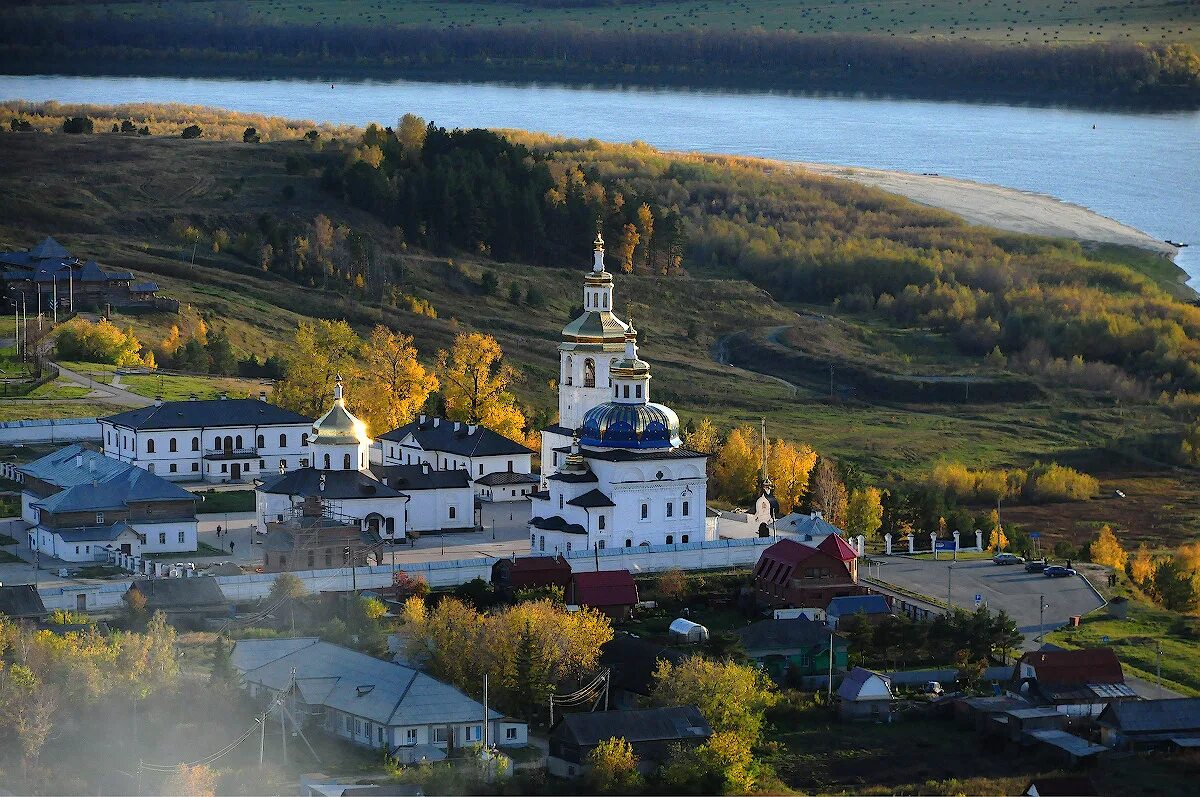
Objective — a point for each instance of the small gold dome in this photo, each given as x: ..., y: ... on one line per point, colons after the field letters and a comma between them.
x: 338, y: 427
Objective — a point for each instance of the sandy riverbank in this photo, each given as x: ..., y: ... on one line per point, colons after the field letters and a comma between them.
x: 1003, y: 208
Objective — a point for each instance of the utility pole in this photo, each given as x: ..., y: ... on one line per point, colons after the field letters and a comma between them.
x: 1158, y: 665
x: 829, y: 685
x: 831, y: 380
x: 1041, y: 616
x: 485, y: 712
x: 262, y: 740
x: 949, y: 601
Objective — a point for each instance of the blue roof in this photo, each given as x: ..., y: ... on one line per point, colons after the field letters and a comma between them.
x: 91, y: 481
x: 97, y: 533
x: 796, y: 523
x: 853, y: 604
x: 636, y: 426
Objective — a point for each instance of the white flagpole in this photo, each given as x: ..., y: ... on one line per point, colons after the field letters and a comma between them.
x: 71, y: 287
x: 54, y: 301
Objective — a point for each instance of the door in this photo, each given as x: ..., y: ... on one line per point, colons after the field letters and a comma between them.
x: 81, y: 602
x: 235, y: 471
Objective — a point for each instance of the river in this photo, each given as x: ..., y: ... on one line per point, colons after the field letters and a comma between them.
x: 1139, y: 168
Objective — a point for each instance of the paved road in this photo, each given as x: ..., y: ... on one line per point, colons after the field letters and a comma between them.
x: 108, y: 393
x: 1009, y: 588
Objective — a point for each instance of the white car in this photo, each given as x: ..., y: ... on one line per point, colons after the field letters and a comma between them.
x: 1007, y: 559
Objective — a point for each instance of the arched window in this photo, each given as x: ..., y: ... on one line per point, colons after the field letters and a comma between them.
x: 304, y: 439
x: 600, y: 523
x: 626, y: 391
x: 611, y: 364
x: 283, y: 441
x: 589, y: 372
x: 670, y: 539
x: 346, y: 462
x: 453, y: 512
x: 228, y: 443
x: 568, y: 546
x: 174, y: 445
x: 605, y: 296
x: 532, y: 541
x: 616, y: 392
x: 238, y: 443
x: 260, y: 441
x: 195, y: 443
x: 149, y: 446
x: 628, y: 543
x: 326, y: 462
x: 570, y: 367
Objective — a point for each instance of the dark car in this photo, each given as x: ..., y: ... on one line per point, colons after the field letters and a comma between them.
x: 1036, y: 566
x: 1058, y: 571
x: 1006, y: 558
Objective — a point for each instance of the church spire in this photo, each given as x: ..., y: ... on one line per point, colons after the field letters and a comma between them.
x: 598, y: 254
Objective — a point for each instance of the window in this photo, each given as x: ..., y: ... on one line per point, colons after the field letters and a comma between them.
x: 181, y: 538
x: 162, y: 538
x: 303, y: 462
x: 224, y: 468
x: 473, y: 733
x: 645, y: 511
x: 542, y: 543
x: 380, y: 729
x: 195, y: 443
x: 326, y: 462
x: 195, y: 467
x: 262, y: 464
x: 282, y: 561
x: 685, y: 509
x: 108, y: 437
x: 670, y: 508
x: 600, y: 545
x: 684, y: 539
x: 628, y: 543
x: 346, y: 462
x: 174, y: 445
x: 439, y: 734
x: 637, y: 391
x: 329, y: 557
x: 616, y: 392
x: 560, y: 502
x: 238, y: 442
x: 149, y: 446
x: 510, y: 466
x: 510, y: 733
x: 150, y: 467
x: 670, y: 539
x: 570, y: 367
x: 99, y: 518
x: 357, y: 726
x: 453, y: 512
x: 600, y: 522
x: 568, y: 546
x: 589, y: 372
x: 283, y: 441
x: 304, y: 439
x: 174, y: 467
x: 625, y: 390
x: 349, y: 722
x: 311, y: 558
x: 532, y: 541
x: 481, y: 470
x: 389, y: 525
x: 76, y: 549
x: 410, y: 736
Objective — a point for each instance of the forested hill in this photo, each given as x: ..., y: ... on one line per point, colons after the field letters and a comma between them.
x: 104, y: 38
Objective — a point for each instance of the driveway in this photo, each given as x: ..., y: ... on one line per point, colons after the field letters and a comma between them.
x: 1006, y: 587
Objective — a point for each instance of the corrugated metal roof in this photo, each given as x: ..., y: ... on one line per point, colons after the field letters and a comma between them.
x: 854, y: 681
x: 1086, y: 666
x: 338, y: 485
x: 94, y: 482
x: 774, y: 635
x: 210, y: 413
x: 853, y: 604
x: 676, y: 723
x: 444, y: 437
x: 1149, y: 716
x: 604, y: 588
x: 381, y: 691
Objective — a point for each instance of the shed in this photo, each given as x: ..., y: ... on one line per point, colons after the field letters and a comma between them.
x: 1142, y: 724
x: 21, y: 601
x: 686, y: 631
x: 654, y: 733
x: 610, y: 591
x: 865, y: 694
x: 197, y: 597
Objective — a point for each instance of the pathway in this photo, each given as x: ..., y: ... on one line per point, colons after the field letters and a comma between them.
x: 109, y: 393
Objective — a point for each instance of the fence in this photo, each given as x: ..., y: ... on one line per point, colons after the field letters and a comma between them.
x: 58, y: 430
x: 714, y: 555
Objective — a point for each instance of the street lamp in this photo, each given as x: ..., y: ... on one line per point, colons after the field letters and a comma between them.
x: 1042, y: 607
x: 949, y: 574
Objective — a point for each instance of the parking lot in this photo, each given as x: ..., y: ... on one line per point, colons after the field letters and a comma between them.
x: 1000, y: 587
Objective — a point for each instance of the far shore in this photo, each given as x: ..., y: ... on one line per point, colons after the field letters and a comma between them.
x: 1000, y: 207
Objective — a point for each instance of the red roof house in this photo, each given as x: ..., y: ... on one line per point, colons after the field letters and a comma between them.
x: 611, y: 591
x: 1077, y: 682
x: 792, y: 574
x: 531, y: 571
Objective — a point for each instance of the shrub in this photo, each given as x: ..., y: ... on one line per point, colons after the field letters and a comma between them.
x: 1060, y: 483
x: 192, y: 131
x: 78, y: 124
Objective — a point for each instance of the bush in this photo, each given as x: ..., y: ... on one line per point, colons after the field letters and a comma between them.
x: 1060, y: 483
x: 192, y: 131
x: 78, y: 124
x: 251, y: 136
x: 100, y: 342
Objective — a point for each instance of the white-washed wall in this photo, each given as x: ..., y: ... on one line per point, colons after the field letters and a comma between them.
x: 713, y: 555
x: 59, y: 430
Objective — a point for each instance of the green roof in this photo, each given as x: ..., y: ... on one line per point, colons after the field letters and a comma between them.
x: 596, y: 324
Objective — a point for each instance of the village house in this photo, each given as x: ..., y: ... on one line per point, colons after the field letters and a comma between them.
x: 864, y: 694
x: 1171, y: 724
x: 185, y: 601
x: 653, y: 733
x: 22, y: 602
x: 49, y: 273
x: 1075, y: 682
x: 793, y: 648
x: 370, y: 702
x: 499, y: 468
x: 217, y: 440
x: 81, y: 505
x: 632, y: 661
x: 509, y: 575
x: 794, y: 574
x: 875, y: 608
x: 612, y: 592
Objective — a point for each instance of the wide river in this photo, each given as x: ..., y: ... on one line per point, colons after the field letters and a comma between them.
x: 1142, y: 169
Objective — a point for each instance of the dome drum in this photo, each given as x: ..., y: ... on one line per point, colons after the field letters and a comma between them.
x: 635, y: 426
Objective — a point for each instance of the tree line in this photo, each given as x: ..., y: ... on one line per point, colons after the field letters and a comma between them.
x: 1159, y: 72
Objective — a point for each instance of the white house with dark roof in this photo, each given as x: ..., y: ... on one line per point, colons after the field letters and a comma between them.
x: 81, y: 505
x: 388, y: 500
x: 370, y: 702
x: 500, y: 468
x: 217, y: 440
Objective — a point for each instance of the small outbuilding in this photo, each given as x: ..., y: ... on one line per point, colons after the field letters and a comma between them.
x: 865, y: 694
x: 686, y: 631
x: 22, y: 602
x: 612, y: 592
x: 654, y: 734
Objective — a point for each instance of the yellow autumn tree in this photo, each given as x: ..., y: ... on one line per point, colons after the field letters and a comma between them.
x: 1107, y: 551
x: 732, y: 697
x: 320, y: 352
x: 864, y: 512
x: 172, y: 341
x: 1141, y: 566
x: 612, y: 768
x: 394, y: 384
x: 190, y: 781
x: 704, y: 438
x: 475, y: 382
x: 789, y: 467
x: 997, y: 539
x: 735, y: 473
x: 100, y: 342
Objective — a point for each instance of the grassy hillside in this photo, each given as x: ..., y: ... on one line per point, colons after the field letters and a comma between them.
x: 982, y: 20
x: 119, y: 198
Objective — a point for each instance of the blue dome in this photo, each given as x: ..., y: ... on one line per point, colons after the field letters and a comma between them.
x: 614, y: 425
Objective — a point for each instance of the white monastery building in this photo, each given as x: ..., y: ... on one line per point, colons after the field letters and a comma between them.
x: 614, y: 470
x: 388, y: 500
x: 499, y: 467
x: 217, y: 440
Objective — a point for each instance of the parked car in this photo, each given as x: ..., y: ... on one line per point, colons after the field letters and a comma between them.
x: 1058, y: 571
x: 1036, y: 566
x: 1007, y: 559
x: 933, y: 688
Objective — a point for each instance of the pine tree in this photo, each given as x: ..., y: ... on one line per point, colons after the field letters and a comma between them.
x: 222, y: 673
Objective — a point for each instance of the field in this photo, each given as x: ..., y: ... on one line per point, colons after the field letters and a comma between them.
x: 1016, y: 21
x: 121, y: 215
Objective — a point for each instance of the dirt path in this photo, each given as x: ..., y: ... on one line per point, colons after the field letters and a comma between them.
x: 106, y: 392
x: 1003, y: 208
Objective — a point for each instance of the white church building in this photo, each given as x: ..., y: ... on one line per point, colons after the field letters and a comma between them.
x: 614, y: 471
x: 388, y: 500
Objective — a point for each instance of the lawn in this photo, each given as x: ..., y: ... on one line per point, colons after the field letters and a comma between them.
x: 58, y: 389
x: 218, y: 501
x: 171, y: 387
x: 10, y: 366
x: 23, y: 410
x: 1137, y: 641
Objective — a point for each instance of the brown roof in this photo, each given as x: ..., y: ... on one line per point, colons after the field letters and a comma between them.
x: 1087, y: 666
x: 604, y: 588
x: 537, y: 571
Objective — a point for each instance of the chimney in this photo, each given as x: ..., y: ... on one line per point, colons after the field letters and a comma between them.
x: 79, y: 460
x: 471, y: 427
x: 817, y: 513
x: 262, y: 395
x: 456, y: 425
x: 192, y: 397
x: 436, y: 421
x: 421, y: 419
x: 158, y: 401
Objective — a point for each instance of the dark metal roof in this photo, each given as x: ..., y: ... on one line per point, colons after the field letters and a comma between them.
x: 592, y: 499
x: 556, y: 523
x: 846, y: 605
x: 501, y: 477
x: 625, y: 455
x: 339, y: 484
x: 604, y: 588
x: 1086, y: 666
x: 633, y: 661
x: 21, y: 600
x: 676, y: 723
x: 443, y: 436
x: 180, y: 593
x: 210, y: 413
x: 776, y: 635
x: 1153, y: 716
x: 91, y: 481
x: 418, y: 477
x: 574, y: 478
